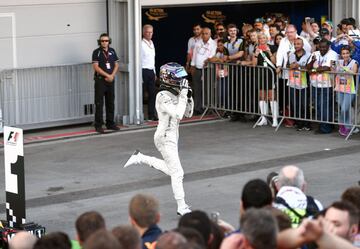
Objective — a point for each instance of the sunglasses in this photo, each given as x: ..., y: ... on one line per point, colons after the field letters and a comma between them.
x: 104, y: 40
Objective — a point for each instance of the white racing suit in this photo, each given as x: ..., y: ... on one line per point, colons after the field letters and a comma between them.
x: 170, y: 108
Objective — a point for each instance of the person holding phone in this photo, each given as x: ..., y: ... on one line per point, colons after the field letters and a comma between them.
x: 263, y: 57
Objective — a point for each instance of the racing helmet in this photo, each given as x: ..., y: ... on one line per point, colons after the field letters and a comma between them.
x: 172, y: 73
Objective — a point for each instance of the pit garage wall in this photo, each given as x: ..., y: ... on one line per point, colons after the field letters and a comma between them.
x: 48, y: 34
x: 53, y: 32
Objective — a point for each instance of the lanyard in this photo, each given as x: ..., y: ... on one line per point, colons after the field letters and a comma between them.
x: 347, y: 64
x: 106, y: 55
x: 321, y: 61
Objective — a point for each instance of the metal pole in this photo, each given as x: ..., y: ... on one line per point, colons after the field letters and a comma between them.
x: 135, y: 87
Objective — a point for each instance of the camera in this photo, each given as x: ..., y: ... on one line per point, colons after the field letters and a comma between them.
x: 309, y: 19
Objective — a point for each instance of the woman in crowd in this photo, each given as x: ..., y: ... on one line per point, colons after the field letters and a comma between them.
x: 265, y: 58
x: 222, y: 72
x: 345, y: 88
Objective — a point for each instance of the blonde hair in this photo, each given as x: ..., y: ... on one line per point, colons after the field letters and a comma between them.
x: 147, y: 26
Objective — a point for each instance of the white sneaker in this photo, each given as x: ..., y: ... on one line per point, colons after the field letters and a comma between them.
x: 183, y: 210
x: 262, y: 122
x: 275, y: 123
x: 133, y: 159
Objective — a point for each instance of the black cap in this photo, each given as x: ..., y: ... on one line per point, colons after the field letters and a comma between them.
x: 324, y: 31
x: 317, y: 40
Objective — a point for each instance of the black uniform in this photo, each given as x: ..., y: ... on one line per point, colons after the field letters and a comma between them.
x: 106, y: 61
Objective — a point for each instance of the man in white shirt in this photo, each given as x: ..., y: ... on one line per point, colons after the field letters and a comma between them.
x: 191, y: 44
x: 148, y: 68
x: 204, y: 50
x: 286, y: 47
x: 321, y: 62
x: 298, y: 85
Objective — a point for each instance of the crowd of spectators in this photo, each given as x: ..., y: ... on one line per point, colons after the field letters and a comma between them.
x: 315, y: 70
x: 273, y: 213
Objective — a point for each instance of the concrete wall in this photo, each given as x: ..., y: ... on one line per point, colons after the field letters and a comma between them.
x: 43, y: 33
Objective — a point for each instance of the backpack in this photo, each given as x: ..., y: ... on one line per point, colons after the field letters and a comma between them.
x: 311, y: 209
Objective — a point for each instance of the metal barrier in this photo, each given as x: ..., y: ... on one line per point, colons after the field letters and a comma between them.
x: 233, y: 88
x: 47, y: 96
x: 329, y: 98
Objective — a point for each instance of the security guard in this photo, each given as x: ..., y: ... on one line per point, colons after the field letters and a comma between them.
x: 105, y: 64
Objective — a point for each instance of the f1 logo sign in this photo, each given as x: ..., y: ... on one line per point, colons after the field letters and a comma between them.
x: 12, y: 138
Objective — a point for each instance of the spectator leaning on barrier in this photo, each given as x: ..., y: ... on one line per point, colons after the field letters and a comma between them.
x: 286, y: 46
x: 346, y: 89
x: 298, y: 85
x: 236, y: 47
x: 249, y: 88
x: 203, y: 50
x: 222, y: 72
x: 250, y: 47
x: 264, y: 57
x: 191, y: 44
x: 321, y: 61
x: 291, y: 198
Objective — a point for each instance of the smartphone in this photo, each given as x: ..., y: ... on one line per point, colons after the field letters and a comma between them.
x: 263, y: 47
x: 214, y: 216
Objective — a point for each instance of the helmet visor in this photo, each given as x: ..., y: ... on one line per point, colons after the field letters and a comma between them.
x: 180, y: 73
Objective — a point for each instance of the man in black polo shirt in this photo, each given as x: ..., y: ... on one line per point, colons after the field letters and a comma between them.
x: 105, y: 64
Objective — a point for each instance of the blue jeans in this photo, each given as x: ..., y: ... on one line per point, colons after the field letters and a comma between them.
x: 299, y: 106
x: 323, y: 101
x: 344, y: 101
x: 223, y: 86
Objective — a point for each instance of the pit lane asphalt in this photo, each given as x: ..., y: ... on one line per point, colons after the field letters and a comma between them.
x: 68, y: 177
